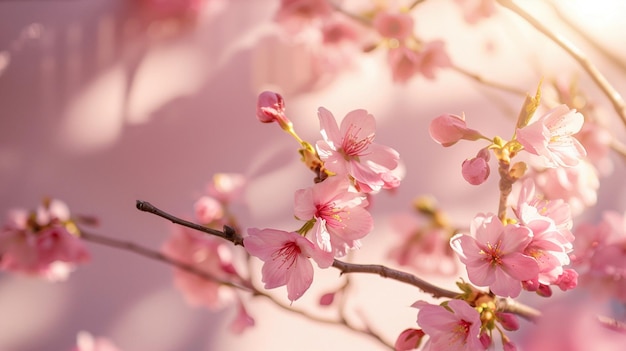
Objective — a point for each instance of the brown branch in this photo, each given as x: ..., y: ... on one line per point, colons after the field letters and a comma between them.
x: 616, y: 99
x: 400, y: 276
x: 489, y: 83
x: 228, y: 234
x: 345, y: 267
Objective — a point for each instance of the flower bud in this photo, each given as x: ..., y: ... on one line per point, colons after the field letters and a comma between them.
x: 476, y: 170
x: 508, y: 321
x: 409, y: 339
x: 270, y: 108
x: 485, y: 339
x: 448, y: 129
x: 327, y: 299
x: 544, y: 290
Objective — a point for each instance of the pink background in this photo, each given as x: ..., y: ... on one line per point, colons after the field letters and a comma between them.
x: 99, y: 113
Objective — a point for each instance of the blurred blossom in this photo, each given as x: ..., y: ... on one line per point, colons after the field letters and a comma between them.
x: 227, y: 187
x: 572, y: 324
x: 86, y: 342
x: 577, y: 186
x: 394, y: 25
x: 475, y: 10
x: 209, y: 254
x: 43, y: 242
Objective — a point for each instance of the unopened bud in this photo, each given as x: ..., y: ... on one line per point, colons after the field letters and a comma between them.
x: 544, y: 290
x: 508, y: 321
x: 476, y: 170
x: 448, y: 129
x: 271, y: 108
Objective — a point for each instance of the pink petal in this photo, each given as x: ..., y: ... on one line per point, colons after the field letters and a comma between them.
x: 329, y: 128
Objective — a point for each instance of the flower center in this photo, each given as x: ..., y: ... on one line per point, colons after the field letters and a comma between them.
x: 288, y: 253
x: 352, y: 144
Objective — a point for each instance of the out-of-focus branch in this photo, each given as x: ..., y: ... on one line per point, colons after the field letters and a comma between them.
x: 489, y: 83
x: 246, y: 286
x: 616, y: 99
x: 158, y: 256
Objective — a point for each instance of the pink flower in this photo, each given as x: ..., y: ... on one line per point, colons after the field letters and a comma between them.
x: 454, y: 328
x: 577, y: 186
x: 350, y: 150
x: 549, y: 247
x: 423, y: 247
x: 86, y: 342
x: 476, y: 170
x: 209, y: 254
x: 448, y: 129
x: 339, y: 214
x: 431, y: 57
x: 404, y: 63
x: 551, y: 137
x: 493, y: 255
x: 166, y: 9
x: 286, y: 259
x: 40, y: 243
x: 394, y: 25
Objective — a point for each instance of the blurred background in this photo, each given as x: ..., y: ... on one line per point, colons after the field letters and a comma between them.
x: 104, y: 102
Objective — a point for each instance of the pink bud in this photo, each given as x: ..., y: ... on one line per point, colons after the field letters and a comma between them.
x: 567, y: 280
x: 544, y: 290
x: 530, y: 285
x: 476, y: 170
x: 448, y: 129
x: 409, y: 339
x: 508, y: 321
x: 327, y: 299
x: 508, y: 345
x: 270, y: 108
x: 485, y: 339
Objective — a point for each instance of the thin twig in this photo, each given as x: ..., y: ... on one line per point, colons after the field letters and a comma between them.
x: 249, y: 287
x: 158, y: 256
x: 616, y: 99
x: 488, y: 83
x: 400, y: 276
x: 229, y: 233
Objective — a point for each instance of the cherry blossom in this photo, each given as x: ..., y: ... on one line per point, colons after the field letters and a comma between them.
x: 454, y: 327
x: 286, y: 259
x: 339, y: 214
x: 43, y: 242
x: 406, y: 62
x: 551, y: 137
x: 209, y: 254
x: 475, y: 10
x: 350, y: 150
x: 448, y: 129
x: 409, y: 339
x: 493, y: 255
x: 577, y: 186
x: 393, y: 25
x: 208, y: 210
x: 421, y: 246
